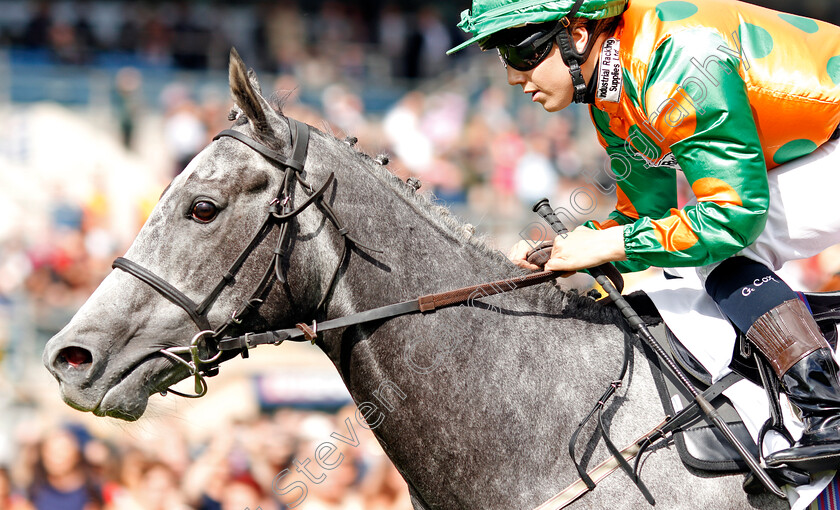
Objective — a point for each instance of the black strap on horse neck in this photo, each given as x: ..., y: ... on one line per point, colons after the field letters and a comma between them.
x: 598, y: 410
x: 671, y: 425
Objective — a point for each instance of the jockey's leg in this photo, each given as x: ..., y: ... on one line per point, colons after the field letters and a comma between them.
x: 779, y: 324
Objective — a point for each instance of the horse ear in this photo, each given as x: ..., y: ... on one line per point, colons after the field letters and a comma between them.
x: 245, y: 90
x: 255, y: 82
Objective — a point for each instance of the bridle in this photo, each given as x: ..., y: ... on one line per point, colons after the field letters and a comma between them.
x: 279, y: 213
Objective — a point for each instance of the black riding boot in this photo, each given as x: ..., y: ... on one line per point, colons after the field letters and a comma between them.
x: 792, y: 342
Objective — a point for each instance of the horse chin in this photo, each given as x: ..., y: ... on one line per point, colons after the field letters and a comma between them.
x: 127, y: 400
x: 127, y: 410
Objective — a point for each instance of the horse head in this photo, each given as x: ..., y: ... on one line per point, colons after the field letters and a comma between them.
x: 181, y: 277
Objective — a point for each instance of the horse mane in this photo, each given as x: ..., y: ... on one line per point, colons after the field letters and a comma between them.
x: 573, y: 303
x: 439, y: 214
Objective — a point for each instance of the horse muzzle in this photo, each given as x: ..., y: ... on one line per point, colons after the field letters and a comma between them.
x: 76, y: 369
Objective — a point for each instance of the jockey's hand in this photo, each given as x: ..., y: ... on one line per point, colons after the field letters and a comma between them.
x: 584, y: 248
x: 519, y: 255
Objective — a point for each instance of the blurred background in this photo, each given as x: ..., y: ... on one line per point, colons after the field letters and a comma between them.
x: 103, y: 102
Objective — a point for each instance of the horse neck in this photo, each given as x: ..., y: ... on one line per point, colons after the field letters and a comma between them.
x: 425, y: 251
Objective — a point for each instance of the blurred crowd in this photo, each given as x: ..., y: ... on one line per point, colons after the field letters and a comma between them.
x: 408, y: 39
x: 64, y: 267
x: 280, y: 36
x: 475, y: 144
x: 249, y: 464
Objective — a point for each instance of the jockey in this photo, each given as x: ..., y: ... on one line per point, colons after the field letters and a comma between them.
x: 745, y: 101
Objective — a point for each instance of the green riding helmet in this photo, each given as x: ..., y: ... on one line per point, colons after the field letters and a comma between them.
x: 490, y: 16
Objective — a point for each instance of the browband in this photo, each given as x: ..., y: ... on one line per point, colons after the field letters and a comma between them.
x: 299, y: 156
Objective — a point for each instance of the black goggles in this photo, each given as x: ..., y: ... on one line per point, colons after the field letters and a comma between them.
x: 529, y: 53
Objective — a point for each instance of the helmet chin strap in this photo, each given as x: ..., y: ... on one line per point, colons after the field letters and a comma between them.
x: 573, y: 58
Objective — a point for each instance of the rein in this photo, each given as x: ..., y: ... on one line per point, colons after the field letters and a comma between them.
x: 424, y: 304
x: 193, y: 356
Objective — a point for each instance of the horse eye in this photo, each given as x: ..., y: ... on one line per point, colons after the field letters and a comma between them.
x: 204, y: 211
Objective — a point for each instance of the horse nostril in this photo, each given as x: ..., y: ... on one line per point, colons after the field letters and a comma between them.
x: 75, y: 356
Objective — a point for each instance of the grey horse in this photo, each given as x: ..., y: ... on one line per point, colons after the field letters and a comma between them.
x: 473, y: 404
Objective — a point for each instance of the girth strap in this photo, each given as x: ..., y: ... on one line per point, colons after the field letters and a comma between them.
x: 165, y: 289
x: 621, y: 459
x: 597, y: 412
